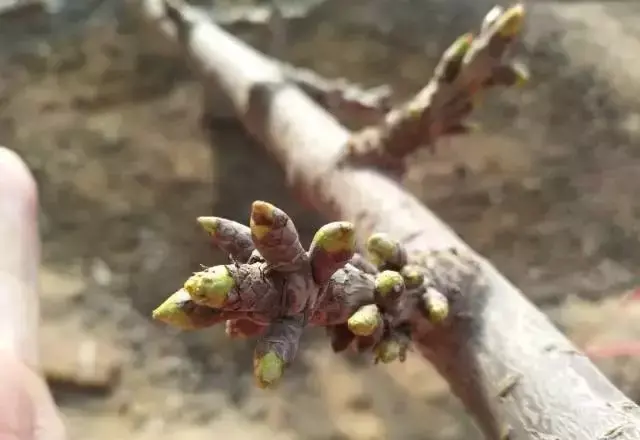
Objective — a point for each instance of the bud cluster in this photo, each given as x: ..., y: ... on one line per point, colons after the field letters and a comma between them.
x: 273, y: 288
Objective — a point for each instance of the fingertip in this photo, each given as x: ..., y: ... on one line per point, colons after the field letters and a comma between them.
x: 19, y: 259
x: 17, y: 182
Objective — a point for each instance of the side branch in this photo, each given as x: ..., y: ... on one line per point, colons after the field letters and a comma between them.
x: 470, y: 66
x: 513, y: 370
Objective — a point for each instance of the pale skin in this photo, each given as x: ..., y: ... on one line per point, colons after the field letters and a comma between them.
x: 27, y: 411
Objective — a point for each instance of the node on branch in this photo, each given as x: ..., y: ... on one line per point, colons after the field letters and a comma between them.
x: 274, y: 288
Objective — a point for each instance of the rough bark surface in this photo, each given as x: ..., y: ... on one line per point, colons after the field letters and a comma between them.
x: 516, y: 373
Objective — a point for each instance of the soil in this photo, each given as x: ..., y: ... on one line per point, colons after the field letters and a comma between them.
x: 112, y: 127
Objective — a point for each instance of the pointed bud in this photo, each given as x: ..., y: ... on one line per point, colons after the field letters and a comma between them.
x: 210, y: 287
x: 172, y: 312
x: 511, y: 21
x: 332, y: 247
x: 365, y: 321
x: 180, y: 311
x: 389, y: 285
x: 459, y: 47
x: 449, y: 66
x: 268, y: 370
x: 275, y: 236
x: 231, y: 237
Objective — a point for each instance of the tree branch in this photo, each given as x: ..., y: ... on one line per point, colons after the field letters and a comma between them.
x: 513, y: 370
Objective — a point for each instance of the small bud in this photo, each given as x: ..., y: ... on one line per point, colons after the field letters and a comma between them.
x: 436, y: 305
x: 209, y: 224
x: 413, y: 276
x: 389, y: 285
x: 268, y: 370
x: 365, y: 321
x: 332, y: 247
x: 387, y: 351
x: 385, y: 252
x: 210, y: 287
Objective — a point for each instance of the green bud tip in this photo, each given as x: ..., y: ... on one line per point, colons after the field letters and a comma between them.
x: 262, y: 216
x: 412, y: 276
x: 462, y: 44
x: 209, y: 224
x: 171, y: 311
x: 365, y: 321
x: 268, y: 370
x: 387, y: 351
x: 437, y: 306
x: 380, y: 248
x: 511, y: 21
x: 336, y: 237
x: 388, y: 283
x: 210, y: 287
x: 522, y: 75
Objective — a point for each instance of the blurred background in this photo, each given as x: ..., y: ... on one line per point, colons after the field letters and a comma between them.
x: 112, y: 125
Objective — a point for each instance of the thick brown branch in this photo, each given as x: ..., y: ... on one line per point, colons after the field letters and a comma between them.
x: 513, y: 370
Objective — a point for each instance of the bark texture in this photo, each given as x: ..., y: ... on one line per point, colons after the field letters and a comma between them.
x: 513, y: 370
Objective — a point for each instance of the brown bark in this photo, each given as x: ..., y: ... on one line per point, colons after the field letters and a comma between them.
x: 516, y: 373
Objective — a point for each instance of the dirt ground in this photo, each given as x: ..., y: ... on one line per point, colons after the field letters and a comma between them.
x: 112, y: 129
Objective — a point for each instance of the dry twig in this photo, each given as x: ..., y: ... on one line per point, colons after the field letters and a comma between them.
x: 492, y: 331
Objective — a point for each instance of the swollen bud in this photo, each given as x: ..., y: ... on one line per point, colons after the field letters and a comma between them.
x: 389, y: 285
x: 267, y: 370
x: 385, y: 252
x: 365, y: 321
x: 332, y: 247
x: 210, y: 287
x: 436, y: 305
